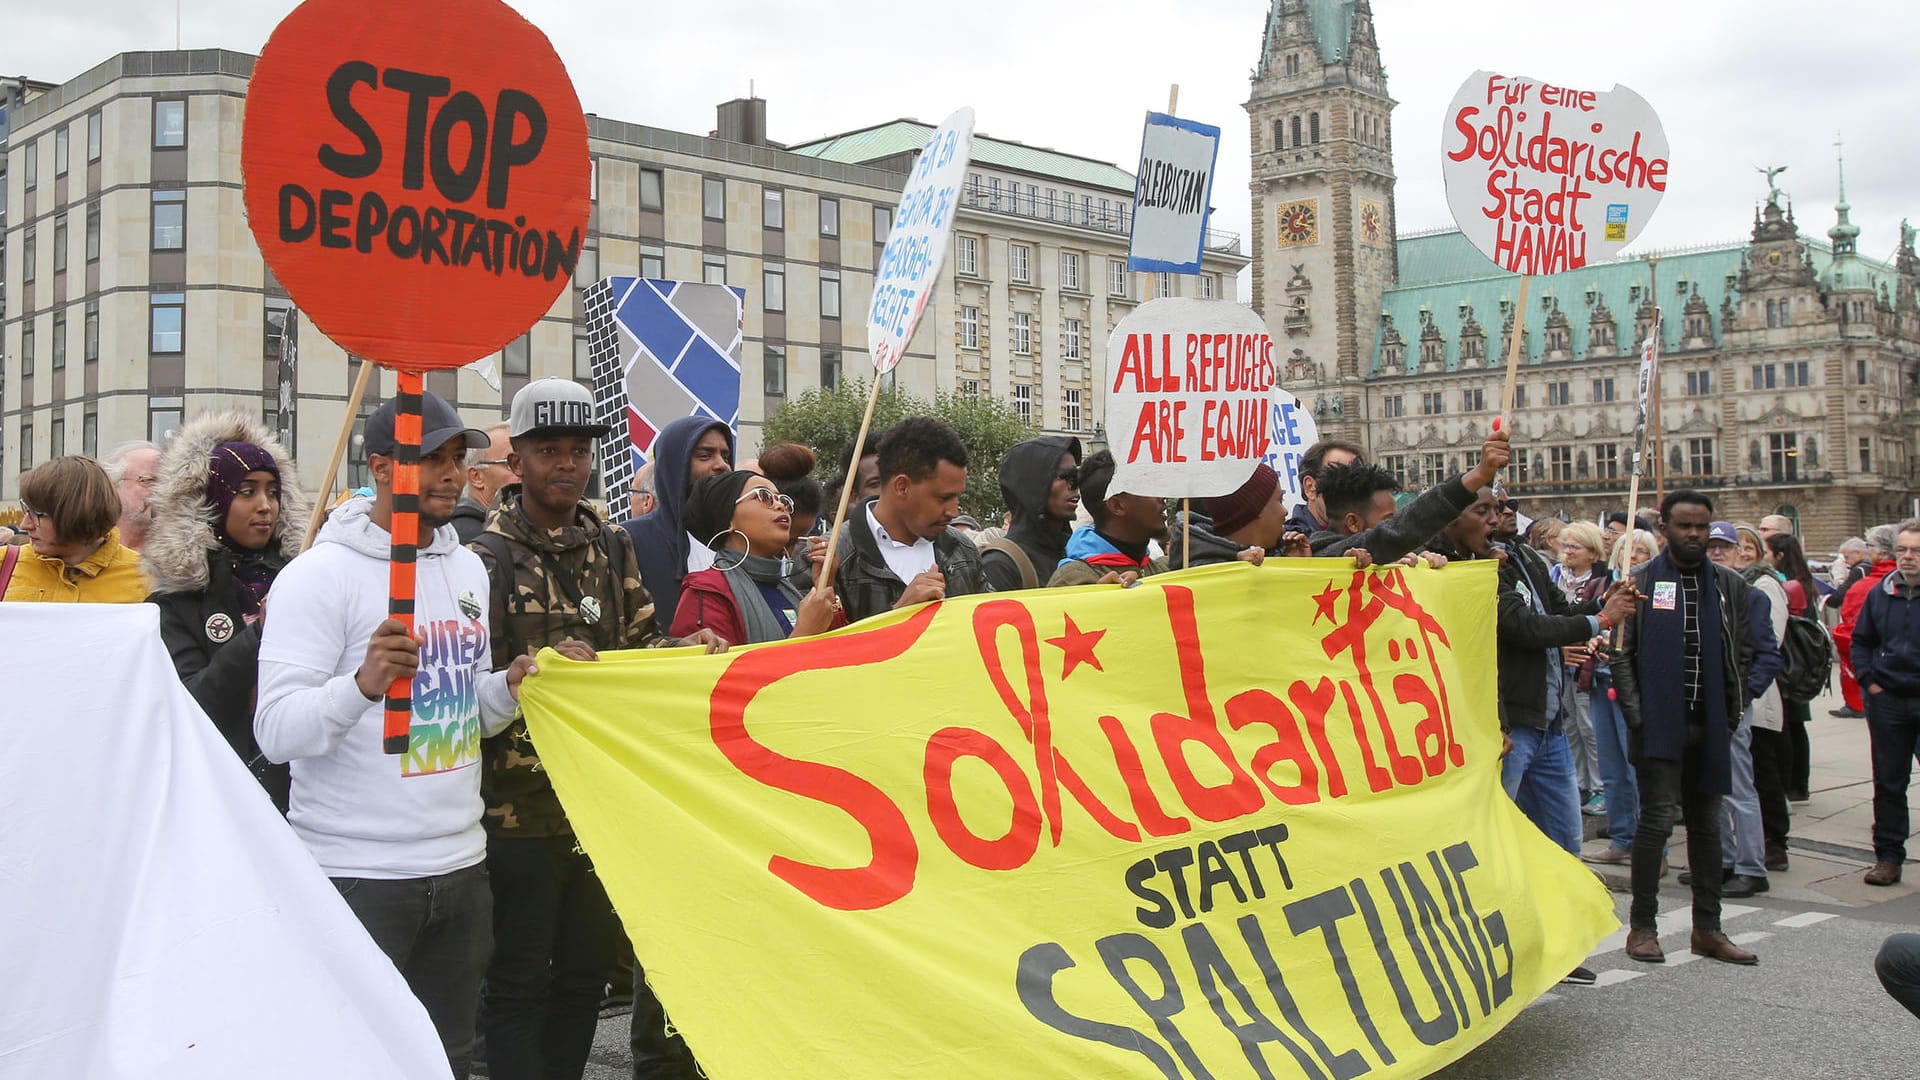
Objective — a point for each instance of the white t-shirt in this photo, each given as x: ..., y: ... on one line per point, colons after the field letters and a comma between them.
x: 361, y: 811
x: 907, y: 561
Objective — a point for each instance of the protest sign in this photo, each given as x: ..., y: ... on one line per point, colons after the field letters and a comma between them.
x: 917, y: 244
x: 162, y: 920
x: 1188, y: 388
x: 416, y: 176
x: 659, y: 350
x: 1544, y: 178
x: 1245, y: 867
x: 1172, y: 195
x: 1293, y: 432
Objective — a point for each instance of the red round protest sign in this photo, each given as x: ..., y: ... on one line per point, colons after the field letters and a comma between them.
x: 416, y: 174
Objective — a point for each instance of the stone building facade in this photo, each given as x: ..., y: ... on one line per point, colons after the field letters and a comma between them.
x: 1789, y: 362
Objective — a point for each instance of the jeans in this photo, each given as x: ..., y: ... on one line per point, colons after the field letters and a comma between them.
x: 438, y: 931
x: 1538, y: 776
x: 554, y: 934
x: 1898, y: 965
x: 1666, y: 796
x: 1893, y: 727
x: 1770, y: 751
x: 1798, y: 764
x: 1616, y: 772
x: 1576, y: 711
x: 1743, y: 847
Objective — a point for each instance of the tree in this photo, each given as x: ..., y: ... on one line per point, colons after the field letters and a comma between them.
x: 828, y: 420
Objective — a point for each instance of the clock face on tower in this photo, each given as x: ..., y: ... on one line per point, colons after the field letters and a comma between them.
x: 1299, y: 223
x: 1373, y: 228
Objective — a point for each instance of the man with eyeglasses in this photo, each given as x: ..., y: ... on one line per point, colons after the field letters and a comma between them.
x: 134, y: 468
x: 487, y: 472
x: 1886, y: 661
x: 1040, y: 484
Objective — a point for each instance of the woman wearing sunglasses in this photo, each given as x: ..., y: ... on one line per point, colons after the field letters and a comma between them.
x: 743, y: 597
x: 70, y: 510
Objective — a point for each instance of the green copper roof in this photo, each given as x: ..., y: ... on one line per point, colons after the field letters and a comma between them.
x: 1441, y: 256
x: 1332, y: 27
x: 904, y: 136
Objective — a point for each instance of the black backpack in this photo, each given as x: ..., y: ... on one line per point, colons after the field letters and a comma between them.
x: 1808, y: 651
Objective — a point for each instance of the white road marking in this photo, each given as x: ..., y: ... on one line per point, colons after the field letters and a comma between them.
x: 1616, y: 977
x: 1750, y: 937
x: 1805, y: 918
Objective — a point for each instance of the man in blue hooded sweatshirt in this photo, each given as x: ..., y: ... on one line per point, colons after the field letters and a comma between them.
x: 684, y: 451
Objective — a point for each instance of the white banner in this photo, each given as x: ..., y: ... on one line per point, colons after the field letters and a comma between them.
x: 161, y: 919
x: 917, y: 243
x: 1171, y: 195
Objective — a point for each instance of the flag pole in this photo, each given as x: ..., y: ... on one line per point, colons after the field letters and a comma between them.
x: 1659, y: 441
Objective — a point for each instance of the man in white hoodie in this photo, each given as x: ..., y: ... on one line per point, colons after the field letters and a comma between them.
x: 399, y: 835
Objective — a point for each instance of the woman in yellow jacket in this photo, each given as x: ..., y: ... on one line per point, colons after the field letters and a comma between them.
x: 76, y: 555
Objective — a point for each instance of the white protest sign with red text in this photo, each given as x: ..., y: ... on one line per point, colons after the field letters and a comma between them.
x: 917, y: 244
x: 1188, y: 398
x: 1293, y: 432
x: 1545, y: 179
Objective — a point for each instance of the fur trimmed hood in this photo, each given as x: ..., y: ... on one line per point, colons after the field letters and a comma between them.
x: 175, y: 556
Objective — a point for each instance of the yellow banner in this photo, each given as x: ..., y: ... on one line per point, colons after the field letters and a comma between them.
x: 1232, y: 822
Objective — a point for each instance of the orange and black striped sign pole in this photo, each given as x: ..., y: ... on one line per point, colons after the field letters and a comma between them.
x: 397, y: 732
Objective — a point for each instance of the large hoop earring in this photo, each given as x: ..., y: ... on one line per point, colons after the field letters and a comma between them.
x: 717, y: 551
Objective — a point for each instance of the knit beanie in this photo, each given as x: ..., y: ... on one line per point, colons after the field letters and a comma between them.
x: 1233, y: 512
x: 227, y: 471
x: 708, y: 512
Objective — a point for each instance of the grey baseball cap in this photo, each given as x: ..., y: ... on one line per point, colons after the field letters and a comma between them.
x: 557, y: 406
x: 438, y: 423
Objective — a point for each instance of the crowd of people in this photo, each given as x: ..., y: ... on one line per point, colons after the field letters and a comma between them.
x: 1646, y: 673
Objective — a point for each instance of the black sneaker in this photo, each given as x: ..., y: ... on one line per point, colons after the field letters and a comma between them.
x: 1581, y: 976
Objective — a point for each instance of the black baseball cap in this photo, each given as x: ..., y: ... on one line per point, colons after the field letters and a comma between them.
x: 438, y: 423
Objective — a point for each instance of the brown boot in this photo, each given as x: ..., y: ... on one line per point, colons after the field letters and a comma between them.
x: 1714, y: 944
x: 1883, y: 873
x: 1776, y: 855
x: 1644, y: 946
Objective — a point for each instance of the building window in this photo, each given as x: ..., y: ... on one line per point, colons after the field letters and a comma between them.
x: 169, y: 220
x: 29, y: 249
x: 773, y: 286
x: 1606, y: 462
x: 90, y: 433
x: 90, y: 333
x: 169, y: 123
x: 970, y: 388
x: 1763, y: 376
x: 829, y: 369
x: 966, y: 253
x: 1019, y: 263
x: 1699, y: 383
x: 1022, y: 334
x: 653, y: 261
x: 1033, y: 200
x: 1559, y: 393
x: 773, y: 365
x: 93, y: 139
x: 1116, y: 277
x: 1023, y: 401
x: 1162, y: 285
x: 517, y: 357
x: 1313, y: 128
x: 1700, y: 457
x: 1433, y: 404
x: 1866, y: 454
x: 583, y: 360
x: 1472, y: 400
x: 1073, y: 339
x: 773, y: 208
x: 969, y: 327
x: 882, y: 223
x: 1393, y: 407
x: 1602, y: 390
x: 713, y: 199
x: 1796, y: 372
x: 60, y: 244
x: 1070, y: 410
x: 1209, y: 286
x: 167, y: 314
x: 60, y: 138
x: 59, y: 342
x: 713, y: 269
x: 57, y: 436
x: 829, y: 294
x: 163, y: 417
x: 1519, y: 397
x: 1560, y: 464
x: 653, y: 190
x: 1279, y: 134
x: 993, y: 185
x: 1297, y: 140
x: 1433, y: 469
x: 1860, y: 372
x: 93, y: 232
x: 26, y: 348
x: 26, y: 443
x: 1783, y: 455
x: 1070, y: 271
x: 829, y: 217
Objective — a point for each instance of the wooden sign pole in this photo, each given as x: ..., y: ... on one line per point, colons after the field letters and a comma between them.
x: 846, y: 488
x: 320, y: 503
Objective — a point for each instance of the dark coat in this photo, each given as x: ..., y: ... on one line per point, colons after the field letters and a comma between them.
x: 1026, y: 483
x: 1406, y: 532
x: 1301, y: 520
x: 469, y: 519
x: 1886, y: 639
x: 659, y: 539
x: 1526, y: 635
x: 867, y: 587
x: 1650, y: 683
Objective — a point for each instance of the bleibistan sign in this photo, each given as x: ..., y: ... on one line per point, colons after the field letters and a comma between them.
x: 1545, y: 178
x: 1233, y: 822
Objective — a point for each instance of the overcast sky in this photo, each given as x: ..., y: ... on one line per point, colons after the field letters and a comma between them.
x: 1737, y: 84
